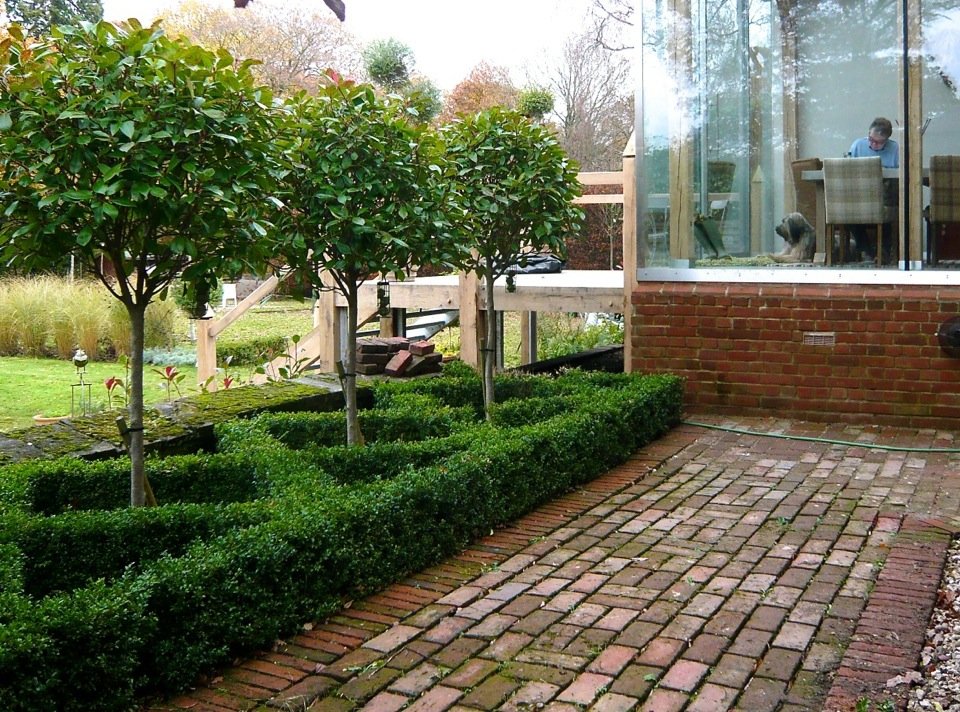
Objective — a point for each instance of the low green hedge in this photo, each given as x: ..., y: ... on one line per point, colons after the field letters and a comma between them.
x: 407, y: 416
x: 53, y: 486
x: 249, y: 352
x: 385, y: 459
x: 71, y: 550
x: 305, y: 544
x: 460, y: 387
x: 77, y: 651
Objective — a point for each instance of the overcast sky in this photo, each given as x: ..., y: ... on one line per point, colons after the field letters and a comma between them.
x: 448, y: 37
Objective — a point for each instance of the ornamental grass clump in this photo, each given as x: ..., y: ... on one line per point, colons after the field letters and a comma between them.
x: 87, y: 308
x: 9, y: 339
x: 50, y: 315
x: 61, y: 328
x: 29, y: 303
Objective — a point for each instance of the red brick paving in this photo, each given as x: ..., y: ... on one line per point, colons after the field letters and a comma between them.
x: 714, y: 570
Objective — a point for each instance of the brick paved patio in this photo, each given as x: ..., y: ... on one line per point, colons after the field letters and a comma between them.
x: 713, y: 571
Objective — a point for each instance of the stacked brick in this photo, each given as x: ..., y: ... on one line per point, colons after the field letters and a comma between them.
x: 396, y: 356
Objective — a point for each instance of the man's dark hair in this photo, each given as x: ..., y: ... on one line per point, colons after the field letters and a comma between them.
x: 883, y: 126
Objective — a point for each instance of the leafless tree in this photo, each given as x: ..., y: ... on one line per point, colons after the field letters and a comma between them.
x: 594, y: 102
x: 295, y: 43
x: 613, y: 20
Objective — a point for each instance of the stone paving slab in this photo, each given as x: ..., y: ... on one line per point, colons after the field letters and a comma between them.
x: 714, y: 570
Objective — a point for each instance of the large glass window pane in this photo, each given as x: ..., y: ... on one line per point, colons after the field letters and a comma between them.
x: 941, y: 111
x: 743, y: 98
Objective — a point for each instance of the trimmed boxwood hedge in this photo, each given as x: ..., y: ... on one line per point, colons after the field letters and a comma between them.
x: 102, y: 545
x: 385, y: 459
x: 101, y: 604
x: 53, y: 486
x: 407, y: 416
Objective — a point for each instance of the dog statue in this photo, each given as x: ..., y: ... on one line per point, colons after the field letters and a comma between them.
x: 800, y: 237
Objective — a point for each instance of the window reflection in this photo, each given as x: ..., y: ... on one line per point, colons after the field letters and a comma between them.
x: 742, y: 99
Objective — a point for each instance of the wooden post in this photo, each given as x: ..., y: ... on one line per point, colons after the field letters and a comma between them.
x: 756, y: 212
x: 630, y: 251
x: 389, y: 323
x: 911, y: 193
x: 207, y: 331
x: 325, y: 321
x: 528, y: 337
x: 206, y: 354
x: 470, y: 320
x: 680, y: 50
x: 789, y: 82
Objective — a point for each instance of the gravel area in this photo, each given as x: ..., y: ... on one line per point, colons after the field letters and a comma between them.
x: 939, y: 688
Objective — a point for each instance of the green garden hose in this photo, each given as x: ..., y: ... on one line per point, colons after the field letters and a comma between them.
x: 829, y: 441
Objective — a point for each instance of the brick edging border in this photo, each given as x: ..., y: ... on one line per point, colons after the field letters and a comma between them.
x: 891, y: 631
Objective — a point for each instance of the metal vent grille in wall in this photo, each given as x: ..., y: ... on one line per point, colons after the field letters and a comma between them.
x: 819, y: 338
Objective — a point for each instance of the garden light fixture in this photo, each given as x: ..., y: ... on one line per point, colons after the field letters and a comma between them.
x: 80, y: 396
x: 383, y: 298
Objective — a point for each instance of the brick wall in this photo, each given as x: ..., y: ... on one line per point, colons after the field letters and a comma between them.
x: 742, y: 349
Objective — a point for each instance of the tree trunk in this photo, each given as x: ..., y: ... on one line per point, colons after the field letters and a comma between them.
x: 354, y: 436
x: 135, y: 406
x: 490, y: 348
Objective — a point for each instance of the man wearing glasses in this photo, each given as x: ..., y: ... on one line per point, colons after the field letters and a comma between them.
x: 878, y: 143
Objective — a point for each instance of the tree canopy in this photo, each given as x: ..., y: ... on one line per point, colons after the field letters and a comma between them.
x: 535, y: 103
x: 515, y: 186
x: 389, y: 63
x: 390, y: 66
x: 294, y: 44
x: 485, y: 87
x: 146, y: 157
x: 364, y: 195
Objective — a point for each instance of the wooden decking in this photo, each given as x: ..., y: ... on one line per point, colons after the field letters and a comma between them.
x: 567, y: 291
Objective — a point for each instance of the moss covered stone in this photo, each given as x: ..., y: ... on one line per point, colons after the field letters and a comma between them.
x: 186, y: 425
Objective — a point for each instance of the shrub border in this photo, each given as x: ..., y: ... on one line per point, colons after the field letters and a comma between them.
x: 155, y: 629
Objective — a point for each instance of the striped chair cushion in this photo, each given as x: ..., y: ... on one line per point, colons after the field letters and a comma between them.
x: 853, y: 191
x: 945, y: 189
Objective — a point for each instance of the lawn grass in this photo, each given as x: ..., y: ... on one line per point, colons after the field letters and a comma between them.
x: 31, y: 386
